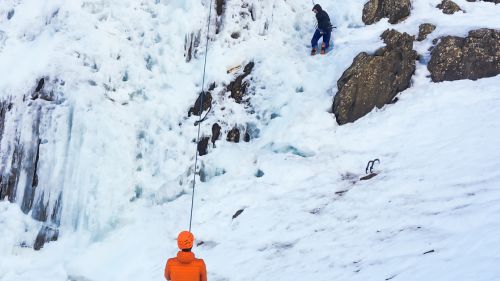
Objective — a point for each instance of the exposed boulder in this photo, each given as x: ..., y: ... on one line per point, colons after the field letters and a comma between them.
x: 395, y: 10
x: 375, y: 80
x: 474, y: 57
x: 215, y: 133
x: 205, y: 98
x: 43, y: 92
x: 424, y: 30
x: 233, y: 135
x: 235, y: 35
x: 239, y: 86
x: 203, y: 146
x: 46, y: 234
x: 204, y: 101
x: 246, y: 137
x: 219, y: 8
x: 449, y: 7
x: 40, y: 85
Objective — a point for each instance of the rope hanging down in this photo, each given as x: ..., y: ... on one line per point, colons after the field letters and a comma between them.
x: 201, y: 110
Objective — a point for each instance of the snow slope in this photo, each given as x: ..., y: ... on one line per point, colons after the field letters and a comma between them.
x: 126, y: 180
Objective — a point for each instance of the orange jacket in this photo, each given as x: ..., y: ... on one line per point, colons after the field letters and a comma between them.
x: 185, y: 267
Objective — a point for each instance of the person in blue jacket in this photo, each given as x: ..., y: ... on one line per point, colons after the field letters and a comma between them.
x: 324, y: 30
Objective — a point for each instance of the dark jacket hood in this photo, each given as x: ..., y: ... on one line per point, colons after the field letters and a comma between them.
x: 318, y: 8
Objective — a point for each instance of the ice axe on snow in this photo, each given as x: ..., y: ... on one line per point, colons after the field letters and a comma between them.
x: 369, y: 166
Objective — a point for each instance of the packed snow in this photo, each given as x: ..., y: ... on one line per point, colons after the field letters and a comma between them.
x: 121, y: 147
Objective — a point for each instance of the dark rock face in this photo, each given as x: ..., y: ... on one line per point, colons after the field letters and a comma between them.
x: 374, y: 81
x: 219, y: 6
x: 215, y: 133
x: 238, y: 90
x: 424, y: 30
x: 233, y: 135
x: 205, y: 98
x: 191, y: 45
x: 24, y: 161
x: 46, y: 234
x: 395, y: 10
x: 449, y: 7
x: 4, y: 107
x: 239, y: 86
x: 474, y: 57
x: 198, y: 108
x: 22, y: 150
x: 235, y: 35
x: 40, y: 85
x: 246, y: 138
x: 203, y: 146
x: 42, y: 93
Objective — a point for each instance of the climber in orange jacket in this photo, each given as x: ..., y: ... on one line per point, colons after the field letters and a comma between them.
x: 185, y: 267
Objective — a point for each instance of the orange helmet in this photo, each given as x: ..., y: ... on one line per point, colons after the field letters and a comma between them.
x: 185, y: 240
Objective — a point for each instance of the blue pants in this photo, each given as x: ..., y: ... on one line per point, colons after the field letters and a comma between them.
x: 326, y: 39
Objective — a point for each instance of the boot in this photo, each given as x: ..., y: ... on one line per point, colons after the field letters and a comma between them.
x: 313, y: 51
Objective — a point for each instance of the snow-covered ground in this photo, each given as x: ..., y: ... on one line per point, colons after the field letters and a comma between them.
x: 432, y: 213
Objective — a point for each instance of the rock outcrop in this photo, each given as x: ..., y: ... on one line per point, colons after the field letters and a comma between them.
x: 424, y: 30
x: 23, y: 147
x: 239, y: 86
x: 203, y: 102
x: 191, y: 45
x: 233, y: 135
x: 215, y: 133
x: 20, y: 158
x: 395, y: 10
x: 375, y: 80
x: 474, y: 57
x: 237, y: 90
x: 46, y: 234
x: 219, y: 8
x: 203, y: 146
x: 449, y: 7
